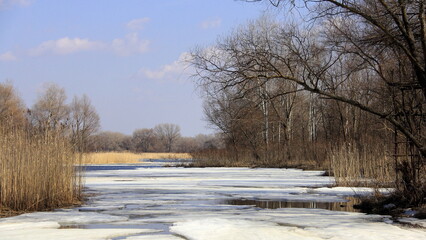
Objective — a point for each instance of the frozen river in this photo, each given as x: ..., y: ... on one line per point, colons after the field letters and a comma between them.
x: 148, y: 201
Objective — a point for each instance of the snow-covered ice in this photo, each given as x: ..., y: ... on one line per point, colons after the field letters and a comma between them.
x: 149, y: 202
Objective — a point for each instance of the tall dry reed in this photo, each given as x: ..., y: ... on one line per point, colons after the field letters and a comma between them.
x: 246, y: 158
x: 354, y: 167
x: 37, y: 170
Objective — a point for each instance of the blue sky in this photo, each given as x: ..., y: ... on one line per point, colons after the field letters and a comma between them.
x: 125, y: 55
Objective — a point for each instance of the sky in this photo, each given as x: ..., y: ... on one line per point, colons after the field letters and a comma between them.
x: 127, y: 56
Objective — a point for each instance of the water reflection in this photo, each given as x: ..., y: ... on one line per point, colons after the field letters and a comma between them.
x: 110, y: 167
x: 272, y: 204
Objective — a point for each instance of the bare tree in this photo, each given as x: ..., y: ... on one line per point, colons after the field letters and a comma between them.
x: 50, y: 109
x: 84, y: 121
x: 168, y: 134
x: 386, y: 37
x: 186, y: 145
x: 12, y: 109
x: 144, y: 140
x: 366, y: 54
x: 109, y: 141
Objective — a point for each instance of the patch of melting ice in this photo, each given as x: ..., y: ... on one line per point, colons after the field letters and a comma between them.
x: 152, y: 228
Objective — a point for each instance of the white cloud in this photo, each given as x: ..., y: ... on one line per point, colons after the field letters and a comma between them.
x: 126, y: 46
x: 137, y: 24
x: 130, y: 44
x: 172, y: 71
x: 211, y: 23
x: 8, y: 57
x: 10, y: 3
x: 66, y: 46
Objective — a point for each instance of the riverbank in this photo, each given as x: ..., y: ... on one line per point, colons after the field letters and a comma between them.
x: 394, y: 204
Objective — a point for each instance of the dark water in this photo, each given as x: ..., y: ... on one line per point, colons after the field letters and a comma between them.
x: 273, y: 204
x: 147, y: 163
x: 111, y: 167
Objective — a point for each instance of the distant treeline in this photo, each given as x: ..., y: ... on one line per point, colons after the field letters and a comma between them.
x: 162, y: 138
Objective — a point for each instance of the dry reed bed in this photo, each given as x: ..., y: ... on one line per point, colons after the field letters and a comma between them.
x: 229, y: 158
x: 349, y: 165
x: 37, y: 171
x: 352, y: 167
x: 128, y: 157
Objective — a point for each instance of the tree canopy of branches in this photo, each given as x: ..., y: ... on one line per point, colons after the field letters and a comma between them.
x: 50, y: 109
x: 76, y: 121
x: 144, y: 140
x: 12, y: 110
x: 367, y: 54
x: 168, y: 134
x: 84, y: 121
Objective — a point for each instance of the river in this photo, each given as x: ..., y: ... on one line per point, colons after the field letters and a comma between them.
x: 151, y: 201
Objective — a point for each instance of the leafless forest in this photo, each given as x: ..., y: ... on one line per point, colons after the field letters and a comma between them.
x: 164, y: 137
x: 342, y: 89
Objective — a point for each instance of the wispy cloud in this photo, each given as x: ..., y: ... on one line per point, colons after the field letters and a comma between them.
x: 126, y: 46
x: 129, y: 45
x: 9, y: 3
x: 8, y: 57
x: 173, y: 71
x: 65, y: 46
x: 137, y: 24
x: 211, y: 23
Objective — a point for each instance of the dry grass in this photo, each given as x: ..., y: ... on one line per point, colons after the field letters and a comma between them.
x: 349, y: 165
x: 37, y: 171
x: 128, y: 157
x: 245, y: 158
x: 352, y: 167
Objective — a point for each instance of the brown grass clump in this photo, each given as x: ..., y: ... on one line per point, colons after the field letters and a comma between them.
x: 128, y: 157
x: 37, y: 171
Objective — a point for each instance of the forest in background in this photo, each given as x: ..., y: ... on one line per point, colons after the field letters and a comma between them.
x: 163, y: 138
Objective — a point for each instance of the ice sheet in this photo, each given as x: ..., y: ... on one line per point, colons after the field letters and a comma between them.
x: 414, y: 221
x: 65, y: 217
x: 219, y: 229
x: 300, y: 224
x: 50, y: 230
x: 167, y: 203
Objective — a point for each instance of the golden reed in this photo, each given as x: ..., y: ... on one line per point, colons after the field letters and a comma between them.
x: 37, y: 171
x: 128, y: 157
